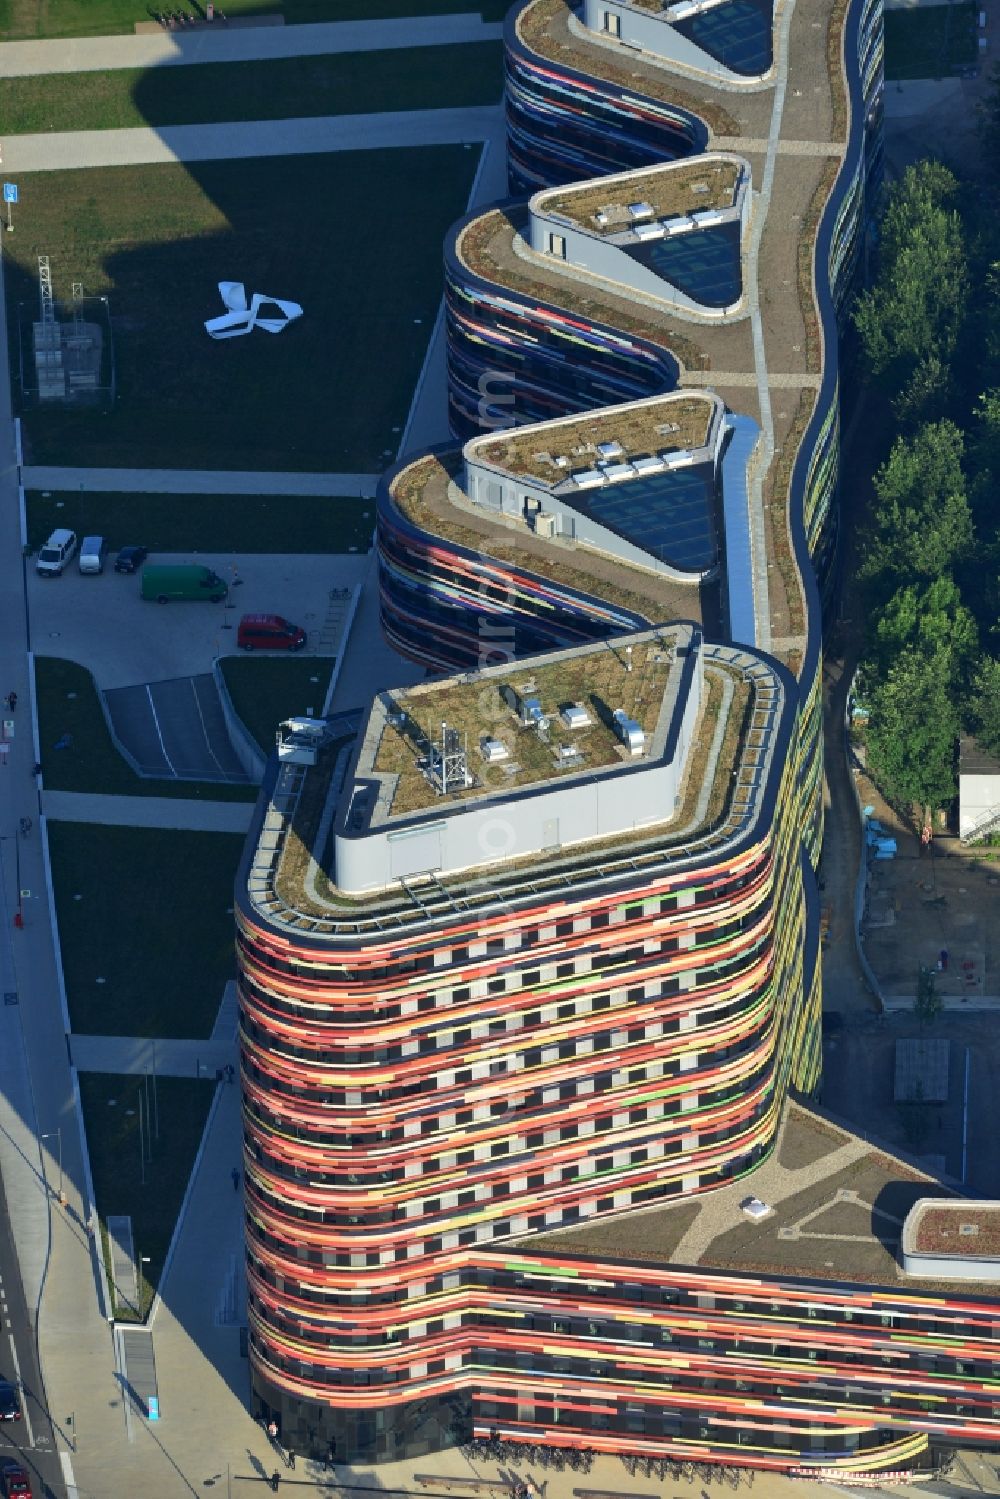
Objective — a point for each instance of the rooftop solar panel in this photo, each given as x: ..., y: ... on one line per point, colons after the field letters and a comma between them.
x: 670, y: 515
x: 737, y: 34
x: 704, y: 263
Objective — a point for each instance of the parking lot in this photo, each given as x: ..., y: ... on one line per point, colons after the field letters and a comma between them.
x: 125, y: 641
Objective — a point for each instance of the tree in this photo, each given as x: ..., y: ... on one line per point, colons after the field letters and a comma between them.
x: 984, y: 707
x: 912, y: 732
x: 984, y: 447
x: 929, y: 1003
x: 925, y: 395
x: 910, y: 320
x: 922, y: 523
x: 928, y: 618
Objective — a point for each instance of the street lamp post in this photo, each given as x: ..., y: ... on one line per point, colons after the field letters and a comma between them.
x: 57, y: 1132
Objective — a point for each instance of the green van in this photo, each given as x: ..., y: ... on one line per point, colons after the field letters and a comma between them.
x: 182, y: 581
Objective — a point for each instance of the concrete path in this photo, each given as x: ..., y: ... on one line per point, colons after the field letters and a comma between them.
x: 919, y: 96
x: 252, y: 44
x: 147, y: 812
x: 164, y: 1057
x: 244, y: 138
x: 56, y: 1255
x: 198, y: 481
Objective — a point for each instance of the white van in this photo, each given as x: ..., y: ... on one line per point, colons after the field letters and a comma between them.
x: 55, y: 554
x: 92, y: 550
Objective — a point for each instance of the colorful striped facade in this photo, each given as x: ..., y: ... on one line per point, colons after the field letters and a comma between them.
x: 430, y: 1076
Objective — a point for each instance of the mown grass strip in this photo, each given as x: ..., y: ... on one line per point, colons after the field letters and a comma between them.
x: 145, y: 926
x: 454, y: 77
x: 48, y: 18
x: 179, y: 1106
x: 930, y: 42
x: 265, y: 690
x: 205, y: 522
x: 354, y: 237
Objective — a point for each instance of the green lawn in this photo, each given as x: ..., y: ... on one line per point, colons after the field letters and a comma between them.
x: 267, y: 689
x: 111, y: 1119
x: 37, y: 18
x: 145, y: 926
x: 348, y: 83
x: 932, y: 42
x: 205, y: 523
x: 67, y: 704
x: 355, y: 237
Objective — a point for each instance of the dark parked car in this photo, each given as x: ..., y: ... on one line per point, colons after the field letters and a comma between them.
x: 10, y: 1401
x: 130, y: 559
x: 16, y: 1483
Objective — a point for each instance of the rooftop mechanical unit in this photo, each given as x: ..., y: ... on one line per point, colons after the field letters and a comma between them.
x: 493, y: 751
x: 631, y: 734
x: 528, y: 709
x: 574, y: 716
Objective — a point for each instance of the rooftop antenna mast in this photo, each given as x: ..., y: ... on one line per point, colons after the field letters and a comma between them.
x: 453, y: 761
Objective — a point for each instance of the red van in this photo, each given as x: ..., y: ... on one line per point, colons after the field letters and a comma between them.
x: 269, y: 632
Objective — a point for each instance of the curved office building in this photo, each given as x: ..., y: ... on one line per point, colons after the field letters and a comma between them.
x: 529, y: 966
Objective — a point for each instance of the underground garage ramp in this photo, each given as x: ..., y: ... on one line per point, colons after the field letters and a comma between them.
x: 175, y: 729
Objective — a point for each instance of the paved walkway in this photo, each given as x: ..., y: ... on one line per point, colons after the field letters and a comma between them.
x: 749, y: 145
x: 244, y: 138
x: 147, y: 812
x: 168, y: 48
x: 164, y: 1057
x: 197, y: 481
x: 55, y: 1255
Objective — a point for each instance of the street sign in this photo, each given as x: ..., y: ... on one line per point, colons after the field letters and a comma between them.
x: 10, y: 192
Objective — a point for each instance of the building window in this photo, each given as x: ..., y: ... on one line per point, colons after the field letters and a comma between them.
x: 611, y: 23
x: 557, y: 246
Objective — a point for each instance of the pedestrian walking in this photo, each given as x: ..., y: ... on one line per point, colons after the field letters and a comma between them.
x: 275, y: 1481
x: 236, y: 1187
x: 272, y: 1431
x: 331, y: 1453
x: 230, y: 1072
x: 290, y: 1458
x: 11, y: 700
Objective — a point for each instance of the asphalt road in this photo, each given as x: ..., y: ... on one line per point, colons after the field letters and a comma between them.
x: 30, y: 1440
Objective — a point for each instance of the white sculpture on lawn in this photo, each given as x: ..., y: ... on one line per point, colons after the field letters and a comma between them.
x: 243, y: 316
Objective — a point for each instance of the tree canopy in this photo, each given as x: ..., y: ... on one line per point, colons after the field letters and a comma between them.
x: 922, y: 523
x: 913, y: 730
x: 984, y: 708
x: 911, y: 319
x: 929, y: 619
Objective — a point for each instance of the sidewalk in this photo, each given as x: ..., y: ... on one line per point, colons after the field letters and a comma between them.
x: 147, y: 812
x: 163, y: 1057
x: 312, y: 135
x: 171, y: 48
x: 38, y: 1087
x: 198, y: 481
